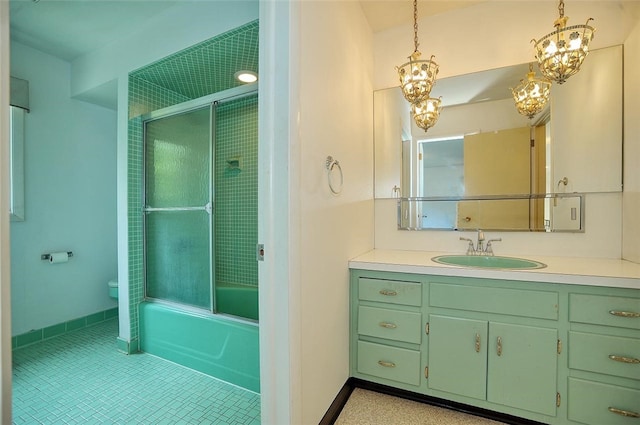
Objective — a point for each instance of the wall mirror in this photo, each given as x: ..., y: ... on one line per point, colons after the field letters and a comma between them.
x: 482, y: 148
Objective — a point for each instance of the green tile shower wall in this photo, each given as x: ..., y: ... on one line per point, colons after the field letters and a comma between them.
x: 192, y: 73
x: 38, y: 335
x: 236, y: 192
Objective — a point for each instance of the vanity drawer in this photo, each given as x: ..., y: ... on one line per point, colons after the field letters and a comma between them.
x: 602, y: 310
x: 396, y: 364
x: 595, y: 403
x: 390, y: 324
x: 390, y: 291
x: 516, y: 302
x: 591, y: 352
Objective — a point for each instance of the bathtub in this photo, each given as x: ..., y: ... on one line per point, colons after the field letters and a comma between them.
x: 218, y: 346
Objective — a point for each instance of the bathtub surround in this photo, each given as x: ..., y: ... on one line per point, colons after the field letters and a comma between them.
x: 219, y: 346
x: 183, y: 76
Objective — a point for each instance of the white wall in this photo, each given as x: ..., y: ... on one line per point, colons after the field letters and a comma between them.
x: 631, y: 195
x: 501, y: 38
x: 330, y: 52
x: 70, y: 199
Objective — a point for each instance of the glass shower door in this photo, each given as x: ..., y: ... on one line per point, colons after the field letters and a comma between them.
x: 178, y: 208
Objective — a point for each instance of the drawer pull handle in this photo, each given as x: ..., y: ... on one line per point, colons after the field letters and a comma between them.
x: 625, y: 413
x: 623, y: 359
x: 499, y: 346
x: 386, y: 364
x: 388, y: 325
x: 388, y: 292
x: 477, y: 343
x: 630, y: 314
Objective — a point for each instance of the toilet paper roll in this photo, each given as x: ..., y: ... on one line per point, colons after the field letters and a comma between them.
x: 58, y: 257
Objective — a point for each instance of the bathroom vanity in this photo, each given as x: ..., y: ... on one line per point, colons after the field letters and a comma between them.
x: 557, y: 345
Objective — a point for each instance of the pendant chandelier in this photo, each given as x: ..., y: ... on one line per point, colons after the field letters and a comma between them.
x: 561, y: 52
x: 532, y: 94
x: 417, y: 76
x: 426, y: 112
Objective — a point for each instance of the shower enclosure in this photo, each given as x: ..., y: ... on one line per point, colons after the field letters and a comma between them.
x: 200, y: 204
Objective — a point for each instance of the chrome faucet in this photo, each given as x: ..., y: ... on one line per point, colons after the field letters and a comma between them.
x: 479, y: 248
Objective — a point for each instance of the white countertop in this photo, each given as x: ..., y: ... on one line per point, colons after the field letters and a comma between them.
x: 568, y: 270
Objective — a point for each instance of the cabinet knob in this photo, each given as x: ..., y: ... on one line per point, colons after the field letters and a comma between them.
x: 499, y: 347
x: 388, y: 292
x: 477, y: 343
x: 386, y: 364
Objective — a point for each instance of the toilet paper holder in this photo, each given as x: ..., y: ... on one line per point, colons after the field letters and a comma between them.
x: 45, y: 257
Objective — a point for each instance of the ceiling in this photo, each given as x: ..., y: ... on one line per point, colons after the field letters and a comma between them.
x: 69, y: 29
x: 387, y: 14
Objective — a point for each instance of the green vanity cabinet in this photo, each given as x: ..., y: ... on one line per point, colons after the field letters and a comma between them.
x: 501, y: 358
x: 555, y: 353
x: 387, y: 325
x: 604, y: 359
x: 458, y: 356
x: 512, y: 365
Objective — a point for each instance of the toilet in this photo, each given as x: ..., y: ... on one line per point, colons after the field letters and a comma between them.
x: 113, y: 288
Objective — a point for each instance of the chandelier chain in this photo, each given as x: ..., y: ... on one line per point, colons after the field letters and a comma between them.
x: 415, y: 25
x: 561, y: 8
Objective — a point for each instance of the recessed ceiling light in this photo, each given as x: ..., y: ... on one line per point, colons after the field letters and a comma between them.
x: 246, y: 76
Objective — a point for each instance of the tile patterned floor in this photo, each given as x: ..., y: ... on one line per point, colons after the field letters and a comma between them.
x: 366, y: 407
x: 80, y: 378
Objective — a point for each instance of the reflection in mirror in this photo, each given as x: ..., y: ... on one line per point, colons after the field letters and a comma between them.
x: 481, y: 144
x: 541, y: 213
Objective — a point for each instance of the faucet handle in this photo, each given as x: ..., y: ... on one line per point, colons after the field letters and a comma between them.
x: 489, y: 248
x: 470, y: 249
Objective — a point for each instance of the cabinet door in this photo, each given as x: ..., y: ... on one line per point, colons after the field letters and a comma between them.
x: 523, y: 367
x: 458, y: 356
